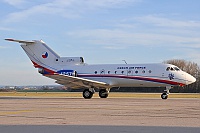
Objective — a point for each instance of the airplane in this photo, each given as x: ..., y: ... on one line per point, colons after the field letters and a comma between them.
x: 74, y: 73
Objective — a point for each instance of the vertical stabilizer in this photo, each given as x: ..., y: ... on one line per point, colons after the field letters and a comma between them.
x: 39, y: 53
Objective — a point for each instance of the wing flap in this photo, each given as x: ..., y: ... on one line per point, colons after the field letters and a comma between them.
x: 76, y: 81
x: 69, y: 84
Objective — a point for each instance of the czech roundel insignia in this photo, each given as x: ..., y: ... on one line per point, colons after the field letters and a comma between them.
x: 171, y: 76
x: 45, y: 55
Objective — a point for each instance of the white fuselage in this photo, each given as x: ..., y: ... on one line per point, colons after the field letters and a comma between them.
x: 132, y: 75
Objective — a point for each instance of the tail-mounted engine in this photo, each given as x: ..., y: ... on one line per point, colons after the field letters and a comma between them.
x: 69, y: 60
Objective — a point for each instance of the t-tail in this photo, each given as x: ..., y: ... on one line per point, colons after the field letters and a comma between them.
x: 44, y: 58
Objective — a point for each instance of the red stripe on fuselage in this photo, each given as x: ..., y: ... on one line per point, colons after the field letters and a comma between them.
x: 135, y: 77
x: 45, y: 69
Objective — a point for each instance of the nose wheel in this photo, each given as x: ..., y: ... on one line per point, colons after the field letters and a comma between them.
x: 164, y: 95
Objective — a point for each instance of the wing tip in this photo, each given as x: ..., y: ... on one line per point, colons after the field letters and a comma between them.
x: 9, y: 39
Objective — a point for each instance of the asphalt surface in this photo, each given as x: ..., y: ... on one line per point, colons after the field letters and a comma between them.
x: 95, y: 129
x: 22, y: 115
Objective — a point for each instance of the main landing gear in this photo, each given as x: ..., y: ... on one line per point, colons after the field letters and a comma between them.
x: 88, y: 93
x: 103, y: 93
x: 166, y: 92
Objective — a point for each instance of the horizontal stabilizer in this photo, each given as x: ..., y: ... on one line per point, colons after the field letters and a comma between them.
x: 19, y: 41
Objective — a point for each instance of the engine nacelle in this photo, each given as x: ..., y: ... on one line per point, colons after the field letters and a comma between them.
x: 70, y: 60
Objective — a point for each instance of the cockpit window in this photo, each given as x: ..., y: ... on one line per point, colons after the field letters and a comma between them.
x: 173, y: 69
x: 176, y: 68
x: 168, y: 68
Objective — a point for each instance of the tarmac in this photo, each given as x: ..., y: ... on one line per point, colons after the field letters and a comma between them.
x: 22, y: 114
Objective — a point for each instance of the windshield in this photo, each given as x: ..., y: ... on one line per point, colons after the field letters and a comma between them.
x: 173, y: 69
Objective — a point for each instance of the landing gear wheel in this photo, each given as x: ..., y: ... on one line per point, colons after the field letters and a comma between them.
x: 164, y: 96
x: 87, y: 94
x: 103, y: 93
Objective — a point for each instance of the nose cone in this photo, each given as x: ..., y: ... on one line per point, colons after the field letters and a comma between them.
x: 190, y: 79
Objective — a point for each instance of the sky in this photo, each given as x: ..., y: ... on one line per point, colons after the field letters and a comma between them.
x: 101, y: 31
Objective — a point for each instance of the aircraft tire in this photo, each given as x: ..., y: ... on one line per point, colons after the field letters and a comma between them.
x: 87, y: 94
x: 103, y: 93
x: 164, y: 96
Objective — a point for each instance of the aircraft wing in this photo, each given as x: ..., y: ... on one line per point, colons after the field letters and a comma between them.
x: 76, y: 82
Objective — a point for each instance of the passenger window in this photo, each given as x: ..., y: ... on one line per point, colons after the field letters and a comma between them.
x: 108, y: 72
x: 115, y: 72
x: 95, y: 72
x: 143, y: 71
x: 122, y: 72
x: 150, y: 71
x: 136, y: 71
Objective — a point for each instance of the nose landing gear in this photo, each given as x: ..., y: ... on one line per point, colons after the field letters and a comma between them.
x: 166, y: 92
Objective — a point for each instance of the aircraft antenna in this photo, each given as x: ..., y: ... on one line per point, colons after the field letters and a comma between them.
x: 124, y: 61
